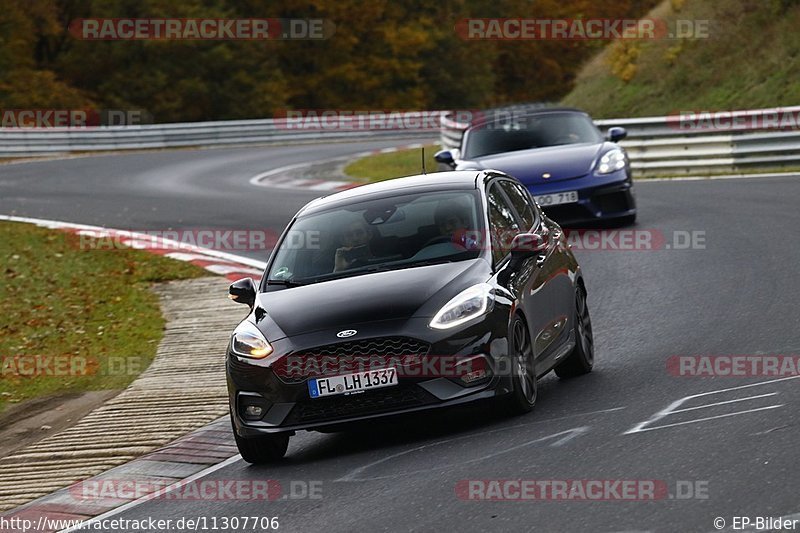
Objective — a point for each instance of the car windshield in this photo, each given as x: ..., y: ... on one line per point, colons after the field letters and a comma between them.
x: 381, y: 234
x: 532, y: 131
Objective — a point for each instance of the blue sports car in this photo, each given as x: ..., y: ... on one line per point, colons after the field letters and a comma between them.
x: 576, y: 174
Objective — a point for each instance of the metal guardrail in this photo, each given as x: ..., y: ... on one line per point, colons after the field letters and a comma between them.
x: 656, y: 145
x: 31, y: 142
x: 659, y: 146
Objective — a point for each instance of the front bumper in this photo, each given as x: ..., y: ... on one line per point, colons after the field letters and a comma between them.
x: 600, y: 198
x: 289, y: 407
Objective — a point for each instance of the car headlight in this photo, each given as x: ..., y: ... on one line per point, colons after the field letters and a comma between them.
x: 612, y: 161
x: 470, y: 303
x: 248, y: 341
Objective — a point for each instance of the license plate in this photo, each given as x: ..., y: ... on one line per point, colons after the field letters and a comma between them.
x: 557, y: 198
x: 350, y: 383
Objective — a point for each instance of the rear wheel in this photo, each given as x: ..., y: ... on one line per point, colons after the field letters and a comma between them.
x: 581, y: 358
x: 523, y: 371
x: 263, y: 449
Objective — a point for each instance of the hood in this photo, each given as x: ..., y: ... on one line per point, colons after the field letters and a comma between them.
x: 562, y: 162
x: 343, y: 303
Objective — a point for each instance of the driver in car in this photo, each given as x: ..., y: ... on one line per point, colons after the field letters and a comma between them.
x: 355, y: 250
x: 453, y: 222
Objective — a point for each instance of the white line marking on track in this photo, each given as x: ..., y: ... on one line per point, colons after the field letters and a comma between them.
x: 705, y: 419
x: 566, y: 436
x: 158, y: 494
x: 231, y: 460
x: 327, y: 186
x: 224, y: 270
x: 724, y: 403
x: 588, y: 413
x: 98, y: 231
x: 255, y: 180
x: 270, y: 178
x: 577, y: 432
x: 671, y: 408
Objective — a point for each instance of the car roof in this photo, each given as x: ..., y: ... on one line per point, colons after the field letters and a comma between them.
x: 433, y: 182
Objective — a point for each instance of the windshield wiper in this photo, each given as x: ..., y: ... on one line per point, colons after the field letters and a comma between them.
x: 285, y: 282
x: 428, y: 262
x: 460, y: 256
x: 369, y: 269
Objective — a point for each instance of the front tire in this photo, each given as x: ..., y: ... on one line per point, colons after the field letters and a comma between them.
x: 581, y: 359
x: 263, y: 449
x: 523, y: 372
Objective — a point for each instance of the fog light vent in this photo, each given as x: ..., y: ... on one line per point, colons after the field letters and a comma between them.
x: 473, y: 370
x: 254, y: 411
x: 252, y: 406
x: 475, y: 375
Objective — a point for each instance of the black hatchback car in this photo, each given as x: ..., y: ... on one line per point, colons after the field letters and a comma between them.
x: 410, y: 294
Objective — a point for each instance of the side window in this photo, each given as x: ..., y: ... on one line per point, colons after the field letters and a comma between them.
x: 503, y: 226
x: 521, y: 202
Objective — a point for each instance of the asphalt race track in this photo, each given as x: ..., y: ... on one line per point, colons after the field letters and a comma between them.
x: 736, y: 294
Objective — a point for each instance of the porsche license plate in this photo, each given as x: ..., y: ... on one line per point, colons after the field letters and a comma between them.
x: 557, y: 198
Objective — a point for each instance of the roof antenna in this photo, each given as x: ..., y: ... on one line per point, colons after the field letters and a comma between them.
x: 423, y: 160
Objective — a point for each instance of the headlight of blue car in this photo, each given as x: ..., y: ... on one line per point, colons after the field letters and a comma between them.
x: 612, y: 161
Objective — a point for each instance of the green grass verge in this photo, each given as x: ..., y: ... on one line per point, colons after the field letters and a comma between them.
x: 751, y: 59
x: 380, y: 167
x: 86, y: 317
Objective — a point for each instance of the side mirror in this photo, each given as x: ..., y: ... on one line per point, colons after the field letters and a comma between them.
x: 445, y: 157
x: 616, y: 134
x: 243, y: 291
x: 527, y: 245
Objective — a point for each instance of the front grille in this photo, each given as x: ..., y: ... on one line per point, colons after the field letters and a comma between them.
x: 347, y: 357
x: 567, y: 213
x: 377, y: 401
x: 612, y: 203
